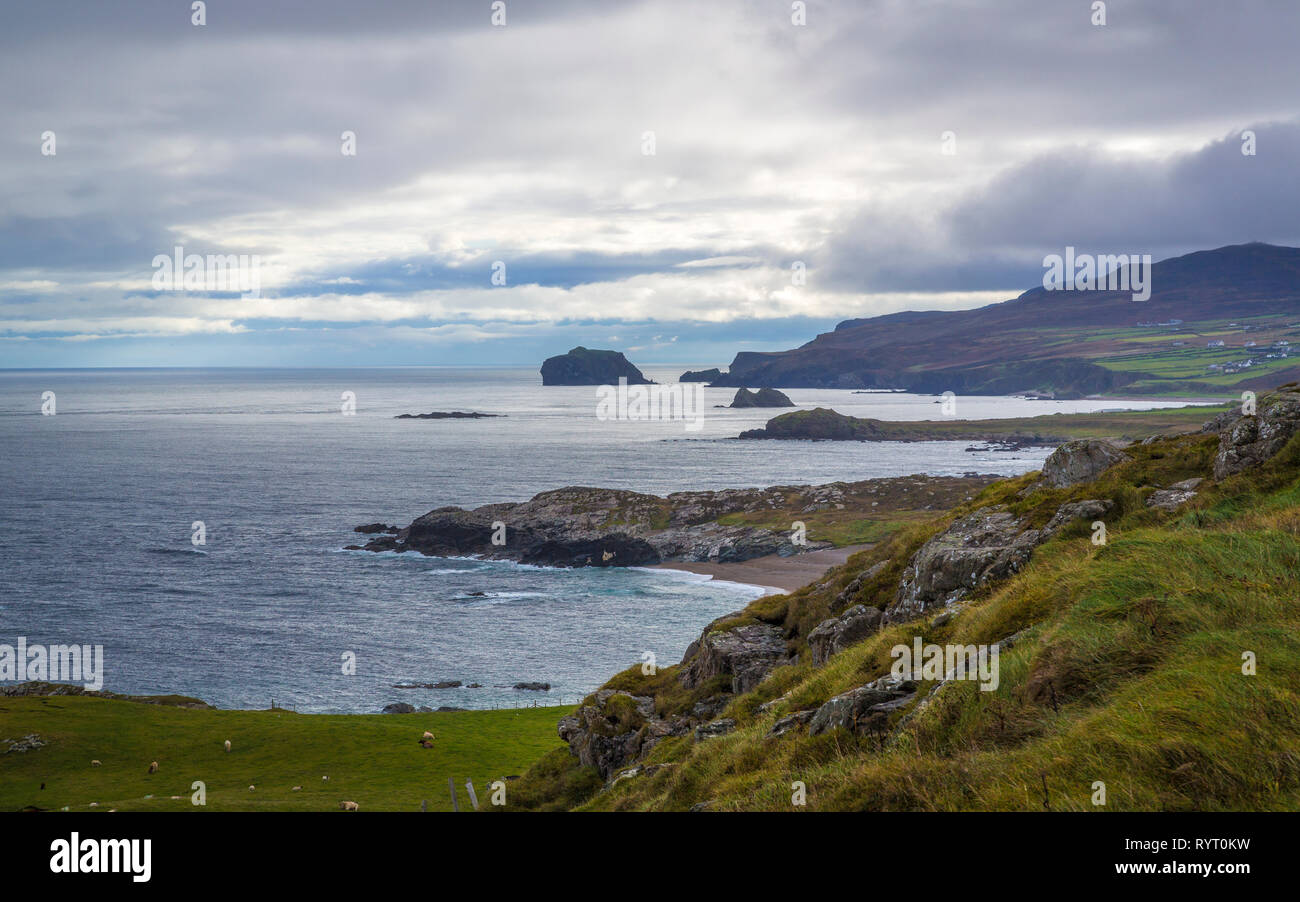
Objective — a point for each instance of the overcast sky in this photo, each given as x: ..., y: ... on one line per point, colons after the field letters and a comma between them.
x: 774, y: 144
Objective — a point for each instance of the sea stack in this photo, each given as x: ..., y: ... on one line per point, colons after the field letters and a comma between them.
x: 583, y: 366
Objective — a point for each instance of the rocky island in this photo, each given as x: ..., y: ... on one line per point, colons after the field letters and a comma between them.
x: 764, y: 397
x: 584, y: 366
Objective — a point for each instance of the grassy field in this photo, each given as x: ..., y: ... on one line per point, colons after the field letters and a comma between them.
x: 371, y: 759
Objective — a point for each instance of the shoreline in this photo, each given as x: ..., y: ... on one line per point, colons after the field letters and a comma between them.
x: 772, y: 573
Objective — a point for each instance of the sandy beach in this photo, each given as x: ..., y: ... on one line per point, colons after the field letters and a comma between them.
x: 782, y: 574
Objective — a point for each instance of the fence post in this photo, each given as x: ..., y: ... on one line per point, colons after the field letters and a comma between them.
x: 451, y: 784
x: 469, y: 787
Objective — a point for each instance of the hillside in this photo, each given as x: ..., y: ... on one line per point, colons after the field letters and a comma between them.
x: 1162, y: 661
x: 1072, y: 343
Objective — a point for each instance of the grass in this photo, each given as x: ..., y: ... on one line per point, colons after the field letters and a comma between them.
x: 372, y: 759
x: 1128, y: 671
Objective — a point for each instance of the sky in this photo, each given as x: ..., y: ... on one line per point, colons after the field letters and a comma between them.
x: 676, y: 180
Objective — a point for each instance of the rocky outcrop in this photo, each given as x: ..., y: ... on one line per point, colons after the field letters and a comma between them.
x: 716, y: 728
x: 838, y: 633
x: 447, y: 415
x: 764, y: 397
x: 1174, y: 496
x: 865, y: 708
x: 747, y: 654
x: 700, y: 375
x: 582, y: 366
x: 1248, y: 440
x: 989, y: 544
x: 587, y: 527
x: 819, y: 424
x: 1080, y: 461
x: 791, y: 722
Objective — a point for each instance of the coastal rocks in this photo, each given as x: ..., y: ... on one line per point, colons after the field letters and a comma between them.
x: 700, y: 375
x: 864, y: 708
x: 375, y: 528
x: 836, y: 634
x: 850, y: 592
x: 746, y: 653
x: 589, y: 527
x: 444, y: 684
x: 1175, y: 496
x: 1248, y: 440
x: 533, y: 687
x: 1080, y: 461
x: 399, y: 708
x: 582, y: 366
x: 764, y: 397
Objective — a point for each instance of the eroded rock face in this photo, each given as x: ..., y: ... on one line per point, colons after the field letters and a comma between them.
x: 616, y: 730
x: 838, y: 633
x: 1081, y: 461
x: 1248, y: 441
x: 747, y: 654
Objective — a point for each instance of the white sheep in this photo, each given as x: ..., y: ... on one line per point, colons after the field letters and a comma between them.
x: 296, y: 789
x: 349, y: 806
x: 95, y: 762
x: 427, y: 735
x: 251, y: 787
x: 153, y: 767
x: 227, y: 745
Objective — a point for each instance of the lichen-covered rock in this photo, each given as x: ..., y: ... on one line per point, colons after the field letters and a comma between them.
x: 989, y: 544
x: 746, y: 653
x: 1081, y: 461
x: 791, y: 722
x: 1248, y: 440
x: 864, y: 708
x: 838, y: 633
x: 716, y: 728
x: 1175, y: 495
x: 1090, y: 509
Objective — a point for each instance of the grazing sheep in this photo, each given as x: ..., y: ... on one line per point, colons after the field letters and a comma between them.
x: 94, y: 805
x: 296, y: 789
x: 349, y: 806
x: 324, y: 778
x: 251, y: 787
x: 427, y: 735
x: 153, y: 767
x: 95, y: 762
x: 227, y: 745
x: 426, y: 744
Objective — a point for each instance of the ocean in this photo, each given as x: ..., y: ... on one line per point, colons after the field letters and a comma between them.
x: 101, y: 501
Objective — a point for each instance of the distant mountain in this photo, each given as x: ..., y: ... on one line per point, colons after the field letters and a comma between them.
x: 1070, y: 342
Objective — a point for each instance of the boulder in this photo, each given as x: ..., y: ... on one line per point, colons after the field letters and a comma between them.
x: 837, y: 633
x: 1090, y: 509
x: 399, y: 708
x: 791, y: 722
x: 989, y: 544
x: 1175, y: 495
x: 1248, y: 440
x: 1081, y: 461
x: 716, y: 728
x: 746, y: 653
x: 863, y: 708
